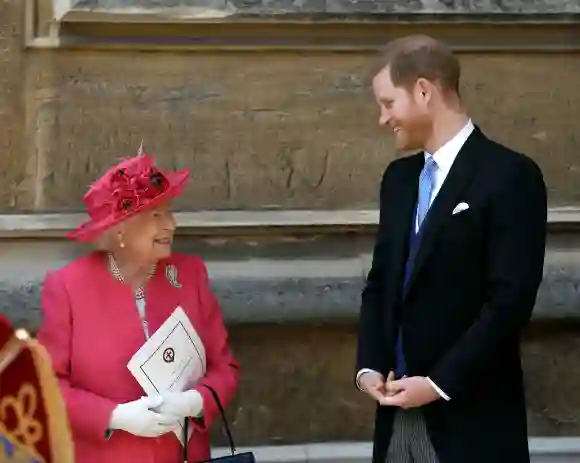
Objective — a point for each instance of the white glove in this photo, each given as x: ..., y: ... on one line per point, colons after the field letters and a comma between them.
x: 137, y: 418
x: 181, y: 404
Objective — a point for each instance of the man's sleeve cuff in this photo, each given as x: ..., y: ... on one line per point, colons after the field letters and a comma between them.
x: 439, y: 391
x: 360, y: 373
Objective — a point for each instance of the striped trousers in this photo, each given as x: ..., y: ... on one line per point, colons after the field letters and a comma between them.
x: 410, y: 442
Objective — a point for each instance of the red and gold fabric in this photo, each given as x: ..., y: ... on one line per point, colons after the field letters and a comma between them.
x: 33, y: 421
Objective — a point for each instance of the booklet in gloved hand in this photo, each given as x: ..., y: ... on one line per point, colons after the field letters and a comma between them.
x: 172, y: 359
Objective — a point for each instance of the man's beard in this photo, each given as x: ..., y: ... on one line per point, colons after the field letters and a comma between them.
x: 414, y: 137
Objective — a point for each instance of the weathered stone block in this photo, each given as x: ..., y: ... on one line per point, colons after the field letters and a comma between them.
x: 292, y: 321
x: 257, y: 130
x: 354, y: 6
x: 278, y: 7
x: 13, y: 150
x: 257, y: 136
x: 297, y: 385
x: 289, y: 281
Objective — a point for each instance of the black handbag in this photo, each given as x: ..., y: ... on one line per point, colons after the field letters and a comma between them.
x: 246, y: 457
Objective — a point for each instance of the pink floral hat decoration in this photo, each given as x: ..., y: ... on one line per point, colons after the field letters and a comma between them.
x: 133, y: 186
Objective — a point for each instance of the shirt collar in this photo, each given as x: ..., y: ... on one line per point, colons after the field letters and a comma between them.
x: 117, y: 275
x: 445, y: 156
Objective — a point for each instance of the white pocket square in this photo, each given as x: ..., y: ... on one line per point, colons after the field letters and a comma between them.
x: 460, y: 208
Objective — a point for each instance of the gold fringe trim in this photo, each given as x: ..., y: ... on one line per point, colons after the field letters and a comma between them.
x: 61, y: 442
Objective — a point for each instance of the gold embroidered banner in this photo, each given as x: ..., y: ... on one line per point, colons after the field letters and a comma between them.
x: 33, y: 423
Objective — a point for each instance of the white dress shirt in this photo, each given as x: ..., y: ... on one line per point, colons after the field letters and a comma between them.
x: 444, y: 158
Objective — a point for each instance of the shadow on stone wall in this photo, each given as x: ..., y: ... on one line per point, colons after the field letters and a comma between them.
x: 297, y: 385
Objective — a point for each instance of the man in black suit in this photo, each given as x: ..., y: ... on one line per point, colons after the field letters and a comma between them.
x: 456, y: 267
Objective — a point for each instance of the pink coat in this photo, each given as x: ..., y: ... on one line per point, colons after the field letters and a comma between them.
x: 91, y: 328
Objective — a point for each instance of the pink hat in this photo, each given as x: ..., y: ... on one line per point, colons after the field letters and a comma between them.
x: 134, y: 185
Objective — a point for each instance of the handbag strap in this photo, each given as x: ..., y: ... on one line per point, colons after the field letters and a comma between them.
x: 185, y: 442
x: 224, y: 419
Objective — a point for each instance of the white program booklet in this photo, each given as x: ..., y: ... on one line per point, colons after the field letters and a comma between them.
x: 172, y: 359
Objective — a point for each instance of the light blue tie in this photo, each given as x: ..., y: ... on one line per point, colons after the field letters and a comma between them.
x: 426, y: 181
x: 426, y: 184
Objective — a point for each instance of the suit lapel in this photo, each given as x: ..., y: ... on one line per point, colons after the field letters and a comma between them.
x: 453, y: 187
x: 403, y: 218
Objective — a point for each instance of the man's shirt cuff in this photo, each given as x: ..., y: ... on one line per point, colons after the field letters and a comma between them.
x: 433, y: 385
x: 361, y: 372
x: 439, y: 391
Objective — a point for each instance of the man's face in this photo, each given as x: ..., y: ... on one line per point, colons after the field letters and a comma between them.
x: 403, y: 112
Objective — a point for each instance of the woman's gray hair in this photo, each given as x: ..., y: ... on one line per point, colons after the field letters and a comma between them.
x: 107, y: 241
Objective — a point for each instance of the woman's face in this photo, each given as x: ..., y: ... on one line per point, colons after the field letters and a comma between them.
x: 148, y: 236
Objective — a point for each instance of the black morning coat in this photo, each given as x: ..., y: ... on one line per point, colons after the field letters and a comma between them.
x: 472, y: 289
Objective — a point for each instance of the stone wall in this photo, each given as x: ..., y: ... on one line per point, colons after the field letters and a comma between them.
x: 258, y: 130
x: 311, y: 141
x: 282, y: 279
x: 291, y: 308
x: 12, y: 71
x: 286, y: 131
x: 289, y: 395
x: 349, y: 6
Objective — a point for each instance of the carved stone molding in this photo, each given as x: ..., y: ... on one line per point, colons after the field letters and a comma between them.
x: 225, y: 26
x: 246, y: 223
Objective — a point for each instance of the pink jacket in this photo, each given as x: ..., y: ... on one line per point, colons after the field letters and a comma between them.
x: 91, y: 329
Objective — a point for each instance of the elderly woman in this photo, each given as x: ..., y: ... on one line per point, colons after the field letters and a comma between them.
x: 100, y: 309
